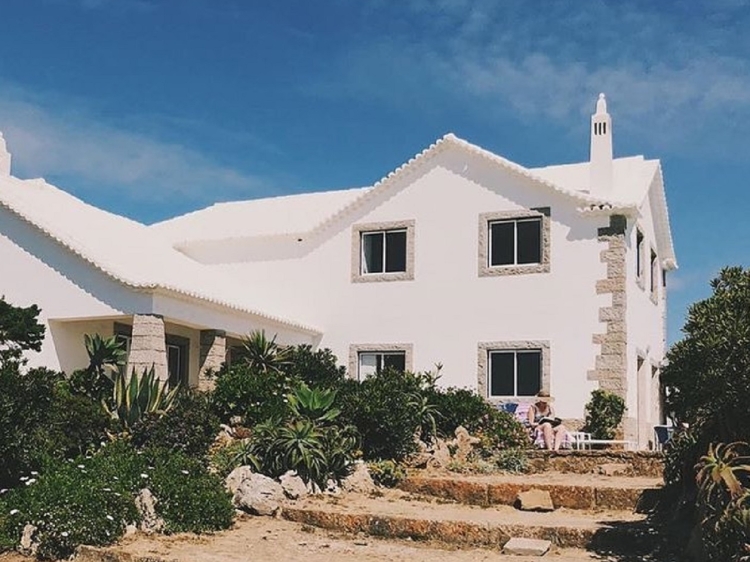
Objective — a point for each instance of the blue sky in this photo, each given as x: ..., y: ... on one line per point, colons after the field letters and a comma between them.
x: 151, y: 108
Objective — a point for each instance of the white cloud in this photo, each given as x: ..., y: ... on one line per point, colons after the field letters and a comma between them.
x: 74, y: 144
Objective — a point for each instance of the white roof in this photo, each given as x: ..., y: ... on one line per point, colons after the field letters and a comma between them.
x: 257, y: 217
x: 123, y: 249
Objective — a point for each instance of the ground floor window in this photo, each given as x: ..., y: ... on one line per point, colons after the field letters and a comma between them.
x: 514, y: 372
x: 370, y: 362
x: 177, y: 360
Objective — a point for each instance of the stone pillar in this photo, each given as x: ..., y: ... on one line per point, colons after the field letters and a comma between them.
x: 611, y: 368
x: 148, y: 345
x: 212, y: 356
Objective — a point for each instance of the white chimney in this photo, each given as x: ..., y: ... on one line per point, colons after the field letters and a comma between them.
x: 600, y: 182
x: 4, y: 158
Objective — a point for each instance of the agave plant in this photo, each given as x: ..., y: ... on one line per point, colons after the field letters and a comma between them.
x: 263, y: 354
x: 723, y: 470
x: 104, y: 353
x: 314, y: 404
x: 137, y: 395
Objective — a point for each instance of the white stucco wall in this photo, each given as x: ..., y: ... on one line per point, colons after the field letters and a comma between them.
x: 448, y: 309
x: 646, y: 329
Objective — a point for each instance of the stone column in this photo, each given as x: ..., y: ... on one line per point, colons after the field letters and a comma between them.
x: 148, y: 346
x: 212, y: 356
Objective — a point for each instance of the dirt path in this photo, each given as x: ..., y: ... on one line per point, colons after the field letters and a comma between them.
x: 262, y: 538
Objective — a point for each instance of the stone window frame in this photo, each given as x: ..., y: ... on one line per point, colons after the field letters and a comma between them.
x: 356, y: 348
x: 487, y: 270
x: 356, y: 258
x: 483, y: 351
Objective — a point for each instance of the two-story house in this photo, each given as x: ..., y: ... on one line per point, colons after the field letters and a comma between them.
x: 514, y: 279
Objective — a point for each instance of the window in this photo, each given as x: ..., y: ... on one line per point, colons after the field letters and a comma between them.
x: 123, y: 335
x: 639, y: 254
x: 370, y: 362
x: 383, y: 252
x: 514, y: 372
x: 515, y: 242
x: 654, y: 273
x: 177, y: 360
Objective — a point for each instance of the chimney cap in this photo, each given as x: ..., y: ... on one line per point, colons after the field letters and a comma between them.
x: 601, y: 105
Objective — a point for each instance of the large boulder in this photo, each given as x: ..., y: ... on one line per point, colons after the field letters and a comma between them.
x: 145, y: 503
x: 359, y: 481
x: 294, y: 487
x: 236, y: 477
x: 28, y: 545
x: 259, y: 495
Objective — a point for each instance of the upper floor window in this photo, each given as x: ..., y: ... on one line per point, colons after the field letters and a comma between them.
x: 515, y: 242
x: 383, y: 251
x: 639, y: 253
x: 371, y: 362
x: 654, y: 273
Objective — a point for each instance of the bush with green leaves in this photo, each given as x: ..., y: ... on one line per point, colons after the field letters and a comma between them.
x: 458, y: 407
x: 386, y: 473
x: 310, y: 442
x: 316, y: 368
x: 138, y: 395
x: 252, y: 395
x: 604, y: 412
x: 388, y: 409
x: 20, y: 331
x: 190, y: 426
x: 90, y: 500
x: 261, y: 354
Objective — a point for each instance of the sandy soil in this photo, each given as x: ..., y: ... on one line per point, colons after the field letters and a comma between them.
x: 263, y: 538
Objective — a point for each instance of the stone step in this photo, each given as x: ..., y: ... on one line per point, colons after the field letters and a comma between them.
x: 568, y: 491
x: 631, y: 463
x: 397, y: 514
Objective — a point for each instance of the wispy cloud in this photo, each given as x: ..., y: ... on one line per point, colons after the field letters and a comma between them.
x: 76, y: 144
x: 684, y: 74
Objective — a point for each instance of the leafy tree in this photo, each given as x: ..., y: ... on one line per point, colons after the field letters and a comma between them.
x: 19, y: 331
x: 707, y: 377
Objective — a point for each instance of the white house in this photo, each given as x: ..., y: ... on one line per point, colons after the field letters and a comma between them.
x: 515, y: 279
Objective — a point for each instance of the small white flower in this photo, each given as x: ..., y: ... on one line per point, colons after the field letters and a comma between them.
x: 107, y: 489
x: 3, y: 491
x: 143, y: 475
x: 184, y: 472
x: 14, y: 511
x: 34, y: 473
x: 64, y: 533
x: 115, y: 477
x: 110, y: 518
x: 30, y: 482
x: 81, y: 466
x: 24, y: 478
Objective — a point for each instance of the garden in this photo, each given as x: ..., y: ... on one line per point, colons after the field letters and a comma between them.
x: 89, y: 456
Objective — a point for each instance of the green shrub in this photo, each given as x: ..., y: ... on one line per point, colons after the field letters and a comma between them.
x: 387, y: 473
x: 498, y: 429
x: 511, y: 460
x: 20, y: 331
x: 252, y: 395
x: 315, y: 368
x: 189, y: 498
x: 458, y: 407
x: 225, y: 459
x: 604, y: 414
x: 387, y: 409
x: 69, y: 505
x: 190, y: 426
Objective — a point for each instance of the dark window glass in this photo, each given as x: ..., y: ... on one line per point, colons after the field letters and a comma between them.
x: 529, y: 372
x: 639, y: 253
x: 501, y: 374
x: 174, y: 364
x: 502, y: 243
x: 529, y: 241
x: 395, y: 361
x: 395, y: 251
x: 372, y: 252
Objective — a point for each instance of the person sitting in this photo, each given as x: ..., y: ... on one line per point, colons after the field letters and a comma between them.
x: 549, y: 432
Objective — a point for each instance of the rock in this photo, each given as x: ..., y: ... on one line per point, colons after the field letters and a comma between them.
x: 614, y: 469
x: 441, y: 455
x: 534, y: 500
x: 464, y: 444
x: 332, y: 488
x: 359, y: 481
x: 145, y: 503
x: 130, y: 529
x: 259, y: 495
x: 294, y: 487
x: 236, y: 477
x: 527, y: 547
x: 28, y: 545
